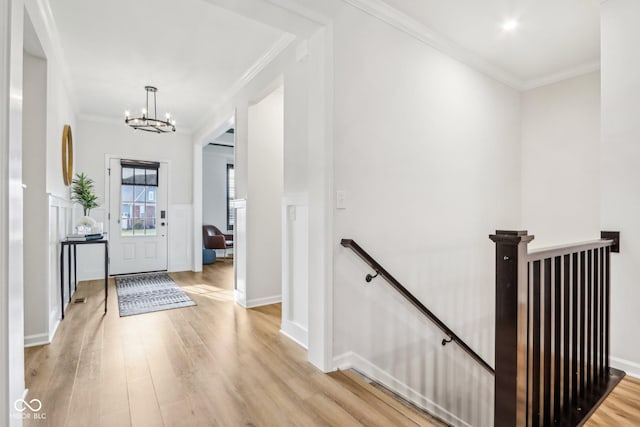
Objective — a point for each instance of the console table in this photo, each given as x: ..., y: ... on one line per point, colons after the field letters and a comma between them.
x: 68, y: 244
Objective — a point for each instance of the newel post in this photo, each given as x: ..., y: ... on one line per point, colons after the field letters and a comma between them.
x: 511, y: 328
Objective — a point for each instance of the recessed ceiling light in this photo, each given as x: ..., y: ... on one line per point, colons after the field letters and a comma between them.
x: 510, y: 25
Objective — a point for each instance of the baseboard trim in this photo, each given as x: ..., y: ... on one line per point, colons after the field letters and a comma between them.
x: 353, y: 360
x: 87, y: 276
x: 295, y: 332
x: 240, y: 298
x: 53, y: 331
x: 179, y: 268
x: 258, y: 302
x: 36, y: 339
x: 630, y: 368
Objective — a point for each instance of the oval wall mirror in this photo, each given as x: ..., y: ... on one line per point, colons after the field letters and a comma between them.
x: 67, y: 155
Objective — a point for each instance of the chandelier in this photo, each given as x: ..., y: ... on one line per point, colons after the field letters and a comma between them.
x: 147, y: 122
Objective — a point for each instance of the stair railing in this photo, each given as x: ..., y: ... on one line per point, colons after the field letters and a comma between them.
x: 380, y: 271
x: 552, y: 330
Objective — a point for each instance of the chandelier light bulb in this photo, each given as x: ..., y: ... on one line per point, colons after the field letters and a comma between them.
x: 126, y: 114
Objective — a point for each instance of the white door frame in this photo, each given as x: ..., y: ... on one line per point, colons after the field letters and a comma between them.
x: 107, y: 197
x: 11, y: 219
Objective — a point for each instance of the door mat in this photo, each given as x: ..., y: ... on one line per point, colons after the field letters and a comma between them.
x: 146, y: 293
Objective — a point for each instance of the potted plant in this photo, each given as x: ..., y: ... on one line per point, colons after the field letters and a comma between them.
x: 83, y: 194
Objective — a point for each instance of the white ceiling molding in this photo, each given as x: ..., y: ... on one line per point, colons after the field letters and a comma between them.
x: 45, y: 27
x: 419, y: 31
x: 282, y: 14
x: 405, y: 23
x: 262, y: 62
x: 304, y: 12
x: 563, y: 75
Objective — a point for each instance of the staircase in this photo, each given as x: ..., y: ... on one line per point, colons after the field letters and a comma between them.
x: 391, y: 410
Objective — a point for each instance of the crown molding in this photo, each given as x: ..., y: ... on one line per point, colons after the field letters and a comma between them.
x: 272, y: 53
x: 570, y: 73
x: 419, y: 31
x: 403, y: 22
x: 295, y: 7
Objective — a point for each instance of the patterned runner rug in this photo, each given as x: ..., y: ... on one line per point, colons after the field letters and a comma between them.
x: 148, y: 292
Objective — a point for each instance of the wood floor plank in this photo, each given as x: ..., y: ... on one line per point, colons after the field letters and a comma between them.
x: 397, y: 417
x: 143, y: 405
x: 621, y: 408
x: 214, y: 364
x: 383, y: 398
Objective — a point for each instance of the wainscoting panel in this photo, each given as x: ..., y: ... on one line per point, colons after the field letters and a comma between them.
x: 60, y: 224
x: 295, y: 267
x: 240, y: 253
x: 180, y: 237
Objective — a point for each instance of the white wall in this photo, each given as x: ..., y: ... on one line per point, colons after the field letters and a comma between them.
x: 11, y: 203
x: 36, y: 201
x: 60, y: 112
x: 428, y: 153
x: 560, y: 161
x: 264, y: 198
x: 93, y: 141
x: 214, y: 185
x: 620, y: 157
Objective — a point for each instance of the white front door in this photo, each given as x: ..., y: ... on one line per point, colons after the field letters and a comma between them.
x: 138, y: 224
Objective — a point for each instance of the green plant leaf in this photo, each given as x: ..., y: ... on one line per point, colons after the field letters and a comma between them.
x: 82, y: 192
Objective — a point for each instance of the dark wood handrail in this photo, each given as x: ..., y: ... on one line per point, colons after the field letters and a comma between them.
x: 351, y: 244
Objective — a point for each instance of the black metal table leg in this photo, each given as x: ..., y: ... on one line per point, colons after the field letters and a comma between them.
x: 68, y: 244
x: 62, y: 280
x: 69, y: 270
x: 75, y: 269
x: 106, y: 274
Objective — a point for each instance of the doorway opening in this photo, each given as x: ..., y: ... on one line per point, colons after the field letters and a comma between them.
x: 218, y: 210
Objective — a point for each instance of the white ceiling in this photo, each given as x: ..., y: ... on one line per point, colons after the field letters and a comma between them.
x: 555, y: 37
x: 193, y: 51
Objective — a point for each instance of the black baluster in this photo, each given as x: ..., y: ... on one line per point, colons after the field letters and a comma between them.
x: 589, y: 332
x: 581, y: 324
x: 566, y: 334
x: 535, y: 380
x: 547, y: 342
x: 557, y: 335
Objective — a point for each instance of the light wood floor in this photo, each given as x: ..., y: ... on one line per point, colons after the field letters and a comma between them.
x: 621, y: 408
x: 215, y: 364
x: 212, y: 365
